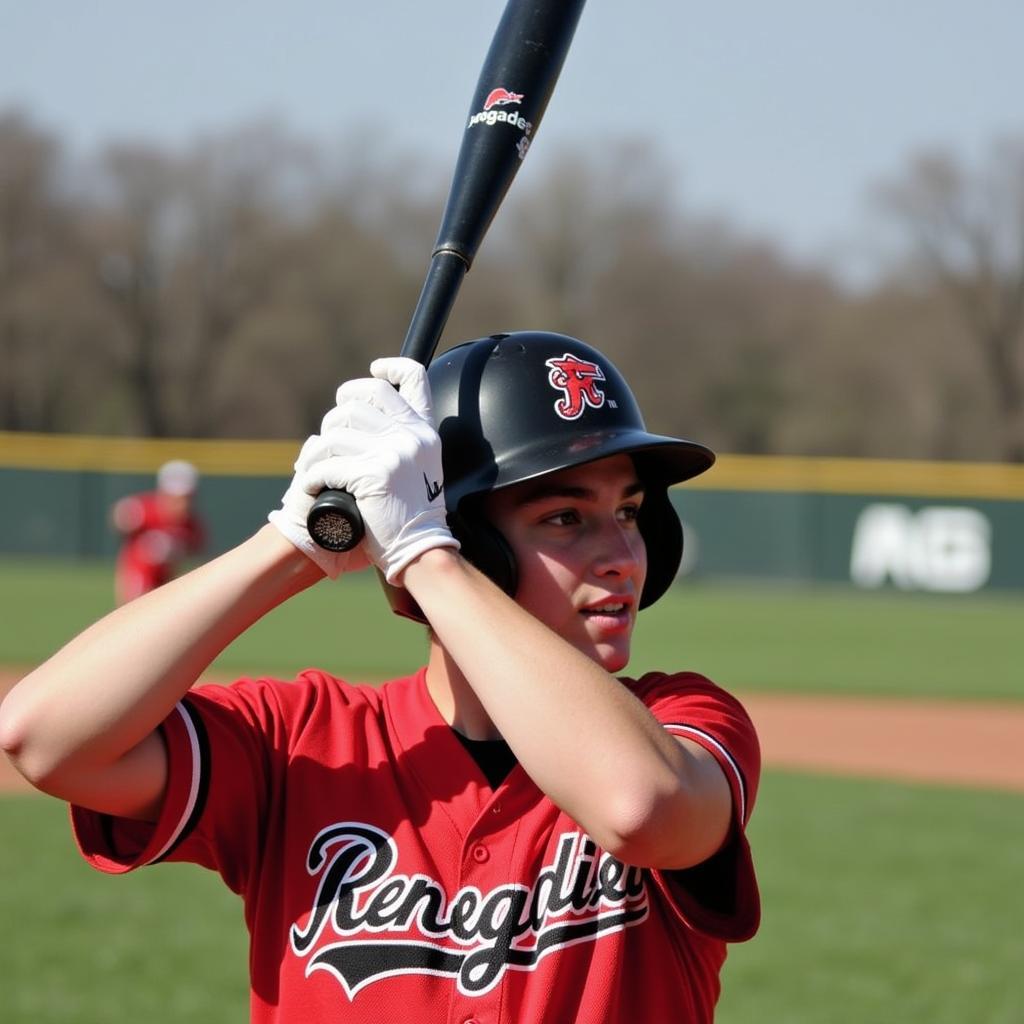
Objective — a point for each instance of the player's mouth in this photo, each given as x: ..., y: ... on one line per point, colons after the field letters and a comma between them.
x: 609, y: 614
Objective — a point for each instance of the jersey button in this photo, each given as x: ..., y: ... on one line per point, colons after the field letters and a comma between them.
x: 496, y: 809
x: 480, y: 854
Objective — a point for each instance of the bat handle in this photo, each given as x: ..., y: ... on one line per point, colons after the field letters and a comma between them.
x: 334, y: 521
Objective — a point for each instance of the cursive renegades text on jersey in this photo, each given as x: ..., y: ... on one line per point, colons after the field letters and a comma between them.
x: 471, y: 935
x: 577, y: 380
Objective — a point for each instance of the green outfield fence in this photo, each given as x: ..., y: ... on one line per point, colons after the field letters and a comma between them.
x: 872, y: 523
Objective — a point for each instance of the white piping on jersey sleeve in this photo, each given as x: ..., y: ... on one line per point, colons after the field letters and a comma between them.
x: 707, y: 739
x: 193, y: 793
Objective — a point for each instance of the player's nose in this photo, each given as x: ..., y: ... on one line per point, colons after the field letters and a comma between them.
x: 619, y: 550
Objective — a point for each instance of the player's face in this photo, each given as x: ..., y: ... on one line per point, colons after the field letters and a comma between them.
x: 581, y: 559
x: 176, y: 506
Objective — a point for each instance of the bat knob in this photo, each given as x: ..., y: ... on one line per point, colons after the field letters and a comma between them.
x: 334, y: 521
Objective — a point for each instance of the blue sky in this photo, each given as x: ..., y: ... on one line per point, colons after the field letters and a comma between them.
x: 777, y: 115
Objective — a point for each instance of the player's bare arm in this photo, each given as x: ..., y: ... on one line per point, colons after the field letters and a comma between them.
x: 82, y: 726
x: 579, y: 733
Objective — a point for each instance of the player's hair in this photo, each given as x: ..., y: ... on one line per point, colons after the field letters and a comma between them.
x: 511, y: 407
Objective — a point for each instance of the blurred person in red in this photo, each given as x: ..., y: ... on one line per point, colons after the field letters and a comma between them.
x: 158, y: 530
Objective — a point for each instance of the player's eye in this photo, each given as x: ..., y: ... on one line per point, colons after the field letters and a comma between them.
x: 563, y: 517
x: 629, y: 513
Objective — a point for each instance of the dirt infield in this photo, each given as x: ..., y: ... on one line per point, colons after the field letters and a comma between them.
x: 955, y: 743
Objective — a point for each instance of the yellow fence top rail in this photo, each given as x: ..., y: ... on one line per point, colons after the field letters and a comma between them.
x: 730, y: 473
x: 864, y: 476
x: 145, y: 455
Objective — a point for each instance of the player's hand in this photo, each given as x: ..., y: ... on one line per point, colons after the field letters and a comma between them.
x: 385, y: 452
x: 291, y: 517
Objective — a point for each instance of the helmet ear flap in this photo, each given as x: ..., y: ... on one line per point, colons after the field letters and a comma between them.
x: 485, y: 547
x: 663, y: 536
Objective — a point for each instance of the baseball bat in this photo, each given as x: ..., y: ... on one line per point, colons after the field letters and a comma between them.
x: 512, y: 93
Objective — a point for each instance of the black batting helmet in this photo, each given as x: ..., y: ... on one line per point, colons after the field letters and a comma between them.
x: 511, y: 407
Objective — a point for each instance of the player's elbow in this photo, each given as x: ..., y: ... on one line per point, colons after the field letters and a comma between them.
x: 630, y: 822
x: 662, y: 827
x: 11, y: 725
x: 13, y: 732
x: 20, y: 742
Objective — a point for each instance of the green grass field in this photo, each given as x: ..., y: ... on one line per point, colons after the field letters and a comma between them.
x: 747, y: 638
x: 883, y: 902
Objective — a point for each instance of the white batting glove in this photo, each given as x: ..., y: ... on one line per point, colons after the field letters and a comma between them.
x: 386, y: 453
x: 290, y: 518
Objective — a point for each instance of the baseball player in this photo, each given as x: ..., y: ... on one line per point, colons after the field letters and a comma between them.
x: 158, y: 529
x: 516, y: 831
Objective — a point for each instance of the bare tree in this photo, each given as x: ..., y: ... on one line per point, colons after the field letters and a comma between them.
x: 239, y: 194
x: 190, y: 248
x: 131, y: 227
x: 966, y: 228
x: 27, y: 162
x: 47, y: 300
x: 704, y: 322
x: 225, y: 290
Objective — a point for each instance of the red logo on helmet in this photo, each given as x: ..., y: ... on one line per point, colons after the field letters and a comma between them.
x: 577, y: 380
x: 499, y: 97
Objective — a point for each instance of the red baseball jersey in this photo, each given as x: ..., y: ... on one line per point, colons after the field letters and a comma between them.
x: 154, y: 542
x: 384, y: 879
